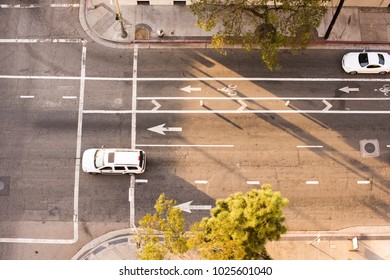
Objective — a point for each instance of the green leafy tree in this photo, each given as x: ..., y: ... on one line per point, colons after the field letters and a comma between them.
x: 163, y: 233
x: 240, y: 225
x: 267, y: 25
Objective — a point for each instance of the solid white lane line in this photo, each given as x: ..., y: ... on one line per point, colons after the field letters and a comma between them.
x: 134, y: 98
x: 19, y: 6
x: 203, y: 182
x: 48, y: 40
x: 65, y: 5
x: 78, y: 144
x: 235, y: 112
x: 265, y: 79
x: 27, y: 96
x: 364, y: 182
x: 264, y: 98
x: 132, y: 201
x: 253, y: 182
x: 303, y: 146
x: 200, y: 79
x: 35, y: 6
x: 312, y: 182
x: 186, y: 146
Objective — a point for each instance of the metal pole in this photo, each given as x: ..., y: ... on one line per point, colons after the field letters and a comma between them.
x: 340, y: 5
x: 124, y: 33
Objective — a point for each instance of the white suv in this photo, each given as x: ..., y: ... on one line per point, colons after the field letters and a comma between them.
x: 114, y: 161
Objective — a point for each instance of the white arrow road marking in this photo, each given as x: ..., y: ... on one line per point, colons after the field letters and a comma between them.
x: 243, y: 105
x: 160, y: 129
x: 190, y: 89
x: 156, y: 104
x: 187, y: 207
x: 347, y: 89
x: 328, y: 105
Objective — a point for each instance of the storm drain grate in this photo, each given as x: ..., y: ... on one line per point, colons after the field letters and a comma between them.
x: 369, y: 148
x: 4, y: 185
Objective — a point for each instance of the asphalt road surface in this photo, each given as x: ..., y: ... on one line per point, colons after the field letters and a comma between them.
x: 211, y: 125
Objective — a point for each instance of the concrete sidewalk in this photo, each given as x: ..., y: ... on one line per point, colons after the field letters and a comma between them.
x: 356, y: 28
x: 373, y: 243
x: 359, y: 27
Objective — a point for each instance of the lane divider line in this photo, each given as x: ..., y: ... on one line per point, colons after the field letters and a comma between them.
x: 253, y: 182
x: 364, y: 182
x: 312, y: 183
x: 203, y: 182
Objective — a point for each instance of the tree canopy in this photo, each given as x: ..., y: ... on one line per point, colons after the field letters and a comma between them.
x: 240, y: 225
x: 163, y: 232
x: 237, y: 229
x: 267, y: 25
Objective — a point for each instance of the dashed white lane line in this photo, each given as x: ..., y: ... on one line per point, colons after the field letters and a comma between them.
x: 141, y: 181
x: 253, y: 182
x: 312, y: 182
x: 364, y: 182
x: 27, y: 96
x: 202, y: 182
x: 69, y: 97
x: 309, y: 146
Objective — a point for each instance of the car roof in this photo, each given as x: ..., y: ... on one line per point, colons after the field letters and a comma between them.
x: 373, y: 57
x: 121, y: 157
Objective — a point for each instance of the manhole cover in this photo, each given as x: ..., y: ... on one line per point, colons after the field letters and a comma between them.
x: 142, y: 34
x: 369, y: 148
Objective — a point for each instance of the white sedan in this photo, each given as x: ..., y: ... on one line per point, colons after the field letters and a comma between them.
x: 366, y: 62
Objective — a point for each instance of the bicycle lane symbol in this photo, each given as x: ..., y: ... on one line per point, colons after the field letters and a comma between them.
x: 385, y: 89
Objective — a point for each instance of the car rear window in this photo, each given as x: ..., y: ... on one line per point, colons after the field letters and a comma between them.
x: 381, y: 59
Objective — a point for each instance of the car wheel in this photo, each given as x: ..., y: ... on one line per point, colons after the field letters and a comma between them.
x: 92, y: 173
x: 382, y: 72
x: 353, y: 72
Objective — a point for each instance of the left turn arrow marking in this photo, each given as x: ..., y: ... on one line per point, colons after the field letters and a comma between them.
x: 160, y: 129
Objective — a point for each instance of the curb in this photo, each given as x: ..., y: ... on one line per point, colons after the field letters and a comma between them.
x: 108, y: 239
x: 205, y: 44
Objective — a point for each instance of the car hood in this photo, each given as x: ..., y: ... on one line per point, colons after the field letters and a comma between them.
x: 351, y: 61
x: 88, y: 163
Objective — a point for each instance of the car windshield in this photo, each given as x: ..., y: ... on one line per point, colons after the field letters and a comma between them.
x: 99, y: 158
x: 363, y: 59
